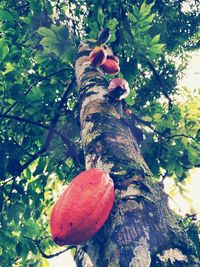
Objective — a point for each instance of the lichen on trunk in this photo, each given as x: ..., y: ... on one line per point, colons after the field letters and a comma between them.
x: 141, y: 230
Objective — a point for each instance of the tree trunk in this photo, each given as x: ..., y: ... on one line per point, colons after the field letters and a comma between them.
x: 141, y: 230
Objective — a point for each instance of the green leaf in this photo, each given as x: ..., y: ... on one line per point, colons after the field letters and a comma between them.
x: 157, y: 48
x: 1, y: 201
x: 100, y: 16
x: 150, y: 18
x: 147, y: 118
x: 16, y: 218
x: 27, y: 213
x: 41, y: 57
x: 130, y: 99
x: 61, y: 32
x: 49, y: 42
x: 19, y: 248
x: 171, y: 165
x: 143, y: 7
x: 4, y: 49
x: 28, y: 173
x: 179, y: 170
x: 145, y: 28
x: 46, y: 32
x: 112, y: 26
x: 69, y: 55
x: 55, y: 40
x: 132, y: 17
x: 157, y: 116
x: 136, y: 11
x: 155, y: 39
x: 25, y: 251
x: 3, y: 237
x: 40, y: 167
x: 147, y: 40
x: 145, y: 10
x: 9, y: 67
x: 35, y: 6
x: 5, y: 15
x: 32, y: 247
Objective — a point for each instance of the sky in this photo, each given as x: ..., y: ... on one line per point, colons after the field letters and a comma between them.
x: 64, y: 260
x: 191, y: 78
x: 182, y: 206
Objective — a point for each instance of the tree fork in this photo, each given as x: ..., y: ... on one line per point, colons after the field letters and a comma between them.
x: 141, y: 230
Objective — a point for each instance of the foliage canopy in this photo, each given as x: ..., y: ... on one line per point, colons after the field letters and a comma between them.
x: 39, y: 128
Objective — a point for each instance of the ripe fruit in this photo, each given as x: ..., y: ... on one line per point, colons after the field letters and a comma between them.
x: 118, y: 88
x: 110, y: 67
x: 82, y: 208
x: 116, y: 59
x: 128, y: 111
x: 98, y: 56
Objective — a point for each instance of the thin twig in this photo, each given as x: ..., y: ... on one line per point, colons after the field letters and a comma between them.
x: 34, y: 84
x: 148, y: 124
x: 13, y: 117
x: 72, y: 19
x: 52, y: 131
x: 62, y: 137
x: 3, y: 183
x: 37, y: 244
x: 159, y: 80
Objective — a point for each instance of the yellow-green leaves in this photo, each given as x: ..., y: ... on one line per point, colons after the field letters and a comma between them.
x: 8, y: 68
x: 130, y: 99
x: 140, y: 25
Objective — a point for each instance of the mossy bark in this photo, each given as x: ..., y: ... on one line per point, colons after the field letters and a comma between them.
x: 141, y: 230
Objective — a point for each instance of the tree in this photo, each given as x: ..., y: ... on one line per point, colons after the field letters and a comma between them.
x: 41, y: 144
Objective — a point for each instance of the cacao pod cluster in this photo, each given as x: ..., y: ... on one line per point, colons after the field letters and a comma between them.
x: 118, y: 88
x: 83, y: 208
x: 109, y: 64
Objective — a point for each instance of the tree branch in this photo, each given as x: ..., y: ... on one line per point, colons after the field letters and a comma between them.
x: 62, y: 137
x: 72, y: 19
x: 148, y: 124
x: 3, y: 183
x: 34, y: 84
x: 13, y: 117
x: 159, y: 80
x: 71, y: 148
x: 37, y: 244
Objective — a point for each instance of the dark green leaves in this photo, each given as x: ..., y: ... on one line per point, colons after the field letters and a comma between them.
x: 19, y: 248
x: 5, y: 15
x: 4, y: 49
x: 57, y: 40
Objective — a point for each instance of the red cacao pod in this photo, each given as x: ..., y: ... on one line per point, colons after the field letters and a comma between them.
x: 110, y: 67
x: 128, y: 111
x: 116, y: 59
x: 98, y: 56
x: 83, y: 208
x: 118, y: 88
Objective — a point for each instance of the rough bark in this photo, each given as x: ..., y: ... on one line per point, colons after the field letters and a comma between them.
x: 141, y: 230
